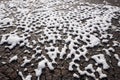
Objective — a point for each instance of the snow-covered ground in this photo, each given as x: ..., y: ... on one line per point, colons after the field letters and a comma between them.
x: 63, y: 29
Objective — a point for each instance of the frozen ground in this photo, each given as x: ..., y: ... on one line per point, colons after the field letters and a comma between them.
x: 59, y: 40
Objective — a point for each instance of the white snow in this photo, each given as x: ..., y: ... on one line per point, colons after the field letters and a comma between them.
x: 118, y: 58
x: 42, y: 65
x: 14, y: 58
x: 90, y: 66
x: 3, y: 62
x: 100, y: 59
x: 76, y: 75
x: 116, y: 43
x: 102, y: 75
x: 38, y: 71
x: 28, y: 77
x: 107, y: 51
x: 5, y: 21
x: 56, y: 29
x: 11, y: 39
x: 26, y: 60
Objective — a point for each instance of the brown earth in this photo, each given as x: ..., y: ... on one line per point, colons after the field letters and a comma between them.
x: 9, y: 71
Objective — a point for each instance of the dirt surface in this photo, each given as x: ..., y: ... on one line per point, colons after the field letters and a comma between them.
x: 111, y: 2
x: 9, y: 71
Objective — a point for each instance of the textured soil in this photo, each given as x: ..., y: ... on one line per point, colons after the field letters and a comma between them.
x: 9, y: 71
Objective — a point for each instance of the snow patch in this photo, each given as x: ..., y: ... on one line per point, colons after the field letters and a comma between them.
x: 14, y: 58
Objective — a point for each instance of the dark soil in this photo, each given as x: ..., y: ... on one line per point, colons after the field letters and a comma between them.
x: 9, y: 71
